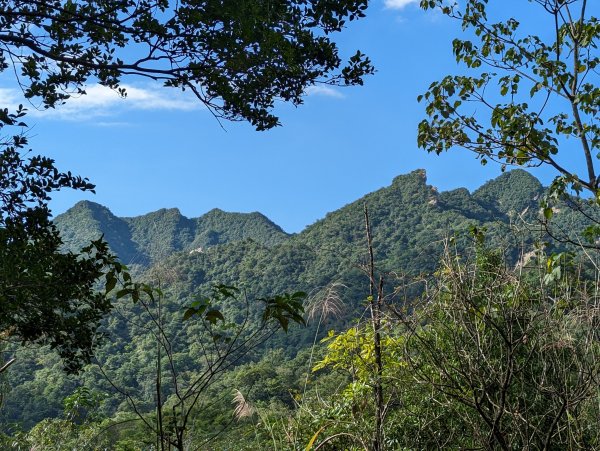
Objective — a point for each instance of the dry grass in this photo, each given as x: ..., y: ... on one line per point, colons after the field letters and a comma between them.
x: 326, y: 302
x: 243, y: 409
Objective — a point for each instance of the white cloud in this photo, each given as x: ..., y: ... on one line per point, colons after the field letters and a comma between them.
x: 8, y: 98
x: 165, y: 99
x: 113, y: 124
x: 322, y: 90
x: 398, y: 4
x: 106, y: 108
x: 102, y: 102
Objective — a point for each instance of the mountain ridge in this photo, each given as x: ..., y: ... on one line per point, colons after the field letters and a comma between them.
x: 148, y: 238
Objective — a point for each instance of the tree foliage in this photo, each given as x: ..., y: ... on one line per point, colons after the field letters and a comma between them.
x: 534, y: 94
x: 46, y: 295
x: 185, y: 371
x: 508, y: 358
x: 236, y: 56
x: 488, y: 358
x: 409, y: 221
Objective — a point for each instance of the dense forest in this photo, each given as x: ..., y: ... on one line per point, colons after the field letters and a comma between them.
x: 289, y: 384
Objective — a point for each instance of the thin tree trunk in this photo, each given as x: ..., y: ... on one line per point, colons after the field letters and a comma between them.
x: 159, y: 416
x: 375, y: 308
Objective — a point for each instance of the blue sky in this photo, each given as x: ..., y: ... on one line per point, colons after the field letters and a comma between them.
x: 160, y: 149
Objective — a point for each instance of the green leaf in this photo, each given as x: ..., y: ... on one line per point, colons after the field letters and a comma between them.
x: 111, y: 282
x: 283, y: 308
x: 189, y: 313
x: 212, y: 316
x: 592, y: 233
x: 122, y: 293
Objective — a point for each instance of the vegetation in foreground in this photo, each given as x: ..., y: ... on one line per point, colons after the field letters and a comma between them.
x: 494, y: 348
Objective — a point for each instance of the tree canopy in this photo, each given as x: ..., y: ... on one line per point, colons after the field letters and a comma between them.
x: 526, y: 99
x: 236, y: 56
x: 46, y: 295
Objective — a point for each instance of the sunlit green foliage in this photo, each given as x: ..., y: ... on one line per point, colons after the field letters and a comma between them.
x: 405, y: 217
x: 528, y: 96
x: 150, y: 238
x: 488, y: 358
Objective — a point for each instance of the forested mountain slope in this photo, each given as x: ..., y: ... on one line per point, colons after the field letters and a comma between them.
x: 410, y: 219
x: 407, y: 216
x: 154, y: 236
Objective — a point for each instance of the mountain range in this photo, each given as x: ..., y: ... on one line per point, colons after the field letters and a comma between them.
x: 410, y: 221
x: 156, y: 235
x: 400, y: 214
